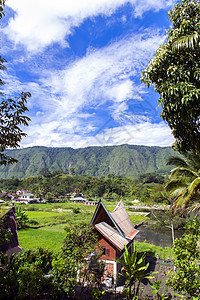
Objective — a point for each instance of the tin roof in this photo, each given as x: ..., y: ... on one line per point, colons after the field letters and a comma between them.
x: 115, y: 226
x: 121, y: 217
x: 111, y: 235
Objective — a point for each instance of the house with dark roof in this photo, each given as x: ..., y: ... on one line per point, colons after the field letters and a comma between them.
x: 114, y: 230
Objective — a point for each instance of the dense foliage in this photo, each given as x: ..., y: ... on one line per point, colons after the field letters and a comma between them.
x: 186, y: 278
x: 23, y: 277
x: 39, y: 273
x: 148, y: 188
x: 175, y: 71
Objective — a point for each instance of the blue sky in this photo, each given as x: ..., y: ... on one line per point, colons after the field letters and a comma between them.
x: 82, y: 62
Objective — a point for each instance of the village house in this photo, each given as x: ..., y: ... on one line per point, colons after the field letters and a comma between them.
x: 83, y: 200
x: 21, y: 192
x: 114, y: 230
x: 25, y: 197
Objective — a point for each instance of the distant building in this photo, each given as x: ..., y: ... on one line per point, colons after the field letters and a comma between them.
x: 114, y: 230
x: 78, y: 200
x: 21, y: 192
x: 7, y: 196
x: 83, y: 200
x: 87, y: 202
x: 26, y: 198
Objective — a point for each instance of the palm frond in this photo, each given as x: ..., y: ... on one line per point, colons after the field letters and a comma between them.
x: 186, y: 41
x: 195, y: 207
x: 194, y: 186
x: 179, y: 202
x: 176, y: 187
x: 183, y: 172
x: 177, y: 161
x: 188, y: 194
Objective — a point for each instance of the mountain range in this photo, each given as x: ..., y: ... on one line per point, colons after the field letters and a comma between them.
x: 126, y: 160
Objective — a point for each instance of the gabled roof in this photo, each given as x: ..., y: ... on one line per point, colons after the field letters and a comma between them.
x: 116, y: 226
x: 111, y: 235
x: 121, y: 217
x: 101, y: 214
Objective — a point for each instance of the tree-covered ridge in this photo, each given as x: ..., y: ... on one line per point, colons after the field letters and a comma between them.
x: 125, y: 160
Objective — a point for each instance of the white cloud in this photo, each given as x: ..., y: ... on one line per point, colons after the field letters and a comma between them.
x: 143, y: 133
x: 102, y: 76
x: 38, y: 23
x: 60, y: 99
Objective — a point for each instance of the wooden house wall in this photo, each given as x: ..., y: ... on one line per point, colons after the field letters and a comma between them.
x: 110, y: 250
x: 102, y: 216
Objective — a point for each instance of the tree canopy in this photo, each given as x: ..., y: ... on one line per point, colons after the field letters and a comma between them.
x: 11, y: 115
x: 186, y: 277
x: 175, y: 71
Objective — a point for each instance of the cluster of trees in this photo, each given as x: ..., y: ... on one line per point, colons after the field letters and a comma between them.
x: 148, y: 188
x: 174, y: 73
x: 40, y: 273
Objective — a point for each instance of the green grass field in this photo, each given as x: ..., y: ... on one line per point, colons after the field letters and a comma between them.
x: 32, y: 238
x: 50, y: 220
x: 47, y: 222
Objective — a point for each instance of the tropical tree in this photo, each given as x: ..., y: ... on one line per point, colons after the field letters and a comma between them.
x: 134, y: 268
x: 71, y: 264
x: 12, y: 116
x: 184, y: 184
x: 185, y: 278
x: 175, y: 71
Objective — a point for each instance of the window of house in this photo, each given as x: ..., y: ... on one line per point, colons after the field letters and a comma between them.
x: 107, y: 252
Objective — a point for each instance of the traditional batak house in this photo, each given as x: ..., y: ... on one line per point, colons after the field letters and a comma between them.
x: 114, y: 230
x: 9, y: 223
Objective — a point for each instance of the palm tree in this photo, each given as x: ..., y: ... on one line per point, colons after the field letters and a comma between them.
x: 184, y: 182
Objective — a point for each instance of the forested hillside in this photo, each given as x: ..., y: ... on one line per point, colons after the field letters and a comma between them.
x: 125, y: 160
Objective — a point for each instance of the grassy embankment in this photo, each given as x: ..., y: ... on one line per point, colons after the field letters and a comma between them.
x: 47, y: 222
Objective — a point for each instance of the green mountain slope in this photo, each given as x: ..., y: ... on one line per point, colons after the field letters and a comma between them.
x: 126, y: 160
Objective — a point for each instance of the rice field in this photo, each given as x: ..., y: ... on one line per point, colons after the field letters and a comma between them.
x: 47, y: 223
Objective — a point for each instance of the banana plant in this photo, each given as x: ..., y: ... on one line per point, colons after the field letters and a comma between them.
x: 134, y: 269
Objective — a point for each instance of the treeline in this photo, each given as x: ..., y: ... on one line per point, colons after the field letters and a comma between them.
x: 147, y: 188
